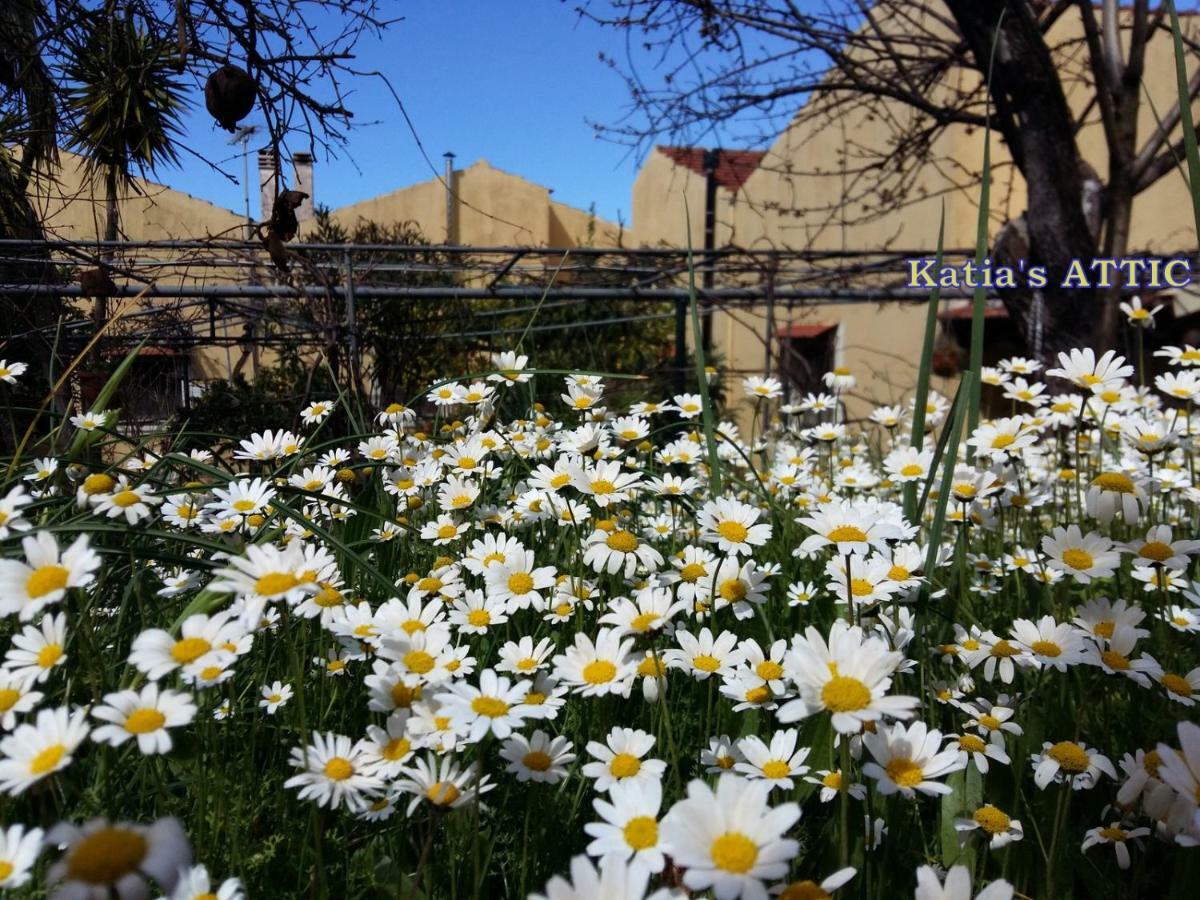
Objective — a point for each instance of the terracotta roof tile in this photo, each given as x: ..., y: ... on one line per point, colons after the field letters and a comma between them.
x: 733, y: 166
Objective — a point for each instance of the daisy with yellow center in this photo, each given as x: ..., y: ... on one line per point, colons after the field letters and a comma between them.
x: 335, y: 771
x: 35, y: 751
x: 729, y: 839
x: 908, y: 760
x: 538, y: 758
x: 46, y: 574
x: 145, y: 715
x: 1071, y: 762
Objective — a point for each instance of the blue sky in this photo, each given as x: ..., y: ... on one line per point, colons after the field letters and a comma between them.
x: 511, y: 81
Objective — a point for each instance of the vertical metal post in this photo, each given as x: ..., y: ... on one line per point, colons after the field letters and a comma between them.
x: 712, y: 159
x: 681, y: 310
x: 451, y: 205
x: 351, y: 322
x: 770, y: 297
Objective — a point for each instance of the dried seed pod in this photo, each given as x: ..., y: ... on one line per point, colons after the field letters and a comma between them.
x: 229, y: 95
x: 283, y: 214
x: 96, y: 283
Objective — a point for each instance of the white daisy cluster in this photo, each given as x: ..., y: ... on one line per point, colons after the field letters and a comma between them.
x: 553, y: 637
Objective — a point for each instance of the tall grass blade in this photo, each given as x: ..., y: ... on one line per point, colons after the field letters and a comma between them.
x: 1185, y: 116
x: 925, y: 371
x: 710, y: 435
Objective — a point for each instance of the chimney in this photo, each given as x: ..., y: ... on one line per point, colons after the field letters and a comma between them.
x: 302, y: 171
x: 266, y: 180
x: 451, y: 200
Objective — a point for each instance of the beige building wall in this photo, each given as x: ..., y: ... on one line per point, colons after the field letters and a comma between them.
x: 797, y: 199
x: 492, y: 208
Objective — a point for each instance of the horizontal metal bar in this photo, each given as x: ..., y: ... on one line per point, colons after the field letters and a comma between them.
x: 463, y: 250
x: 514, y: 292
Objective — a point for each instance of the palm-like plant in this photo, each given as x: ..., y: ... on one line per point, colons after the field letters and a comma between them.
x: 125, y: 103
x: 28, y: 112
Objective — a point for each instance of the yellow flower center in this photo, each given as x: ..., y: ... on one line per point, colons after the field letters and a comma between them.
x: 489, y: 707
x: 833, y: 780
x: 98, y: 484
x: 641, y: 832
x: 847, y: 533
x: 692, y: 572
x: 145, y: 720
x: 446, y: 532
x: 599, y: 671
x: 991, y: 819
x: 443, y: 793
x: 732, y: 590
x: 898, y: 573
x: 1000, y: 441
x: 403, y: 695
x: 106, y: 856
x: 480, y: 618
x: 769, y: 670
x: 1078, y: 559
x: 912, y: 470
x: 47, y: 759
x: 397, y: 748
x: 329, y: 597
x: 905, y: 772
x: 844, y: 694
x: 1003, y: 649
x: 418, y: 661
x: 760, y: 694
x: 776, y: 768
x: 991, y: 723
x: 644, y: 621
x: 339, y: 769
x: 804, y: 890
x: 1177, y: 684
x: 734, y: 532
x: 652, y: 667
x: 972, y: 743
x: 520, y: 583
x: 1151, y: 761
x: 49, y: 655
x: 247, y: 505
x: 1046, y: 648
x: 624, y: 765
x: 430, y: 585
x: 706, y: 663
x: 126, y: 499
x: 536, y: 760
x: 46, y: 579
x: 600, y: 486
x: 1114, y: 660
x: 1114, y: 481
x: 275, y: 583
x: 734, y: 852
x: 1069, y: 756
x: 622, y: 542
x: 8, y: 699
x: 189, y: 650
x: 1156, y: 551
x: 860, y: 587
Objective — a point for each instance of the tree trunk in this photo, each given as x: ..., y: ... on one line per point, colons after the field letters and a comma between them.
x: 1032, y: 115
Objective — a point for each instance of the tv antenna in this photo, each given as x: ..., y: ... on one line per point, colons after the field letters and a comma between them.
x: 242, y: 138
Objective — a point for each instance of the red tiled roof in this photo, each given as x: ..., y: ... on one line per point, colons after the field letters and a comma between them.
x: 799, y: 330
x: 964, y: 309
x: 733, y: 166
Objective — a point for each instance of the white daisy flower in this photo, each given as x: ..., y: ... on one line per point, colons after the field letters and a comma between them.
x: 729, y: 839
x: 145, y: 715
